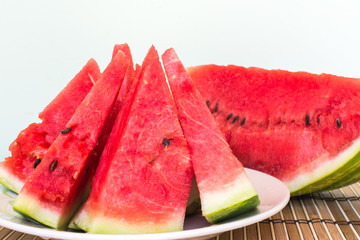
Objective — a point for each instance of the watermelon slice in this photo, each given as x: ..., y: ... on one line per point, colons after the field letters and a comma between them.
x: 225, y: 189
x: 127, y: 82
x: 55, y: 189
x: 299, y: 127
x: 32, y: 143
x: 129, y: 78
x: 144, y: 175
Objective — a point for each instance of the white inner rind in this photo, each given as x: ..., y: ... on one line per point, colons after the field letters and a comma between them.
x: 324, y: 169
x: 229, y: 195
x: 108, y: 225
x: 29, y: 206
x: 10, y: 180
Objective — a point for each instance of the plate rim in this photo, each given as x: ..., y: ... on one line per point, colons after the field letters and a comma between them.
x: 191, y: 233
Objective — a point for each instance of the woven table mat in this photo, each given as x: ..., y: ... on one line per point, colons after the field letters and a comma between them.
x: 327, y: 215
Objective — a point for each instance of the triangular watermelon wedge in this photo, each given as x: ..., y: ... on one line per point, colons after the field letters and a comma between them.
x: 105, y: 133
x: 32, y: 143
x: 143, y: 179
x: 55, y: 189
x: 225, y: 189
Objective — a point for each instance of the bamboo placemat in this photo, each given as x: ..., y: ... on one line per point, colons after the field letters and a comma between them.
x: 327, y: 215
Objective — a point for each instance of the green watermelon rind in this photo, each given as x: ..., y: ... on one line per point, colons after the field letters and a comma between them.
x: 326, y: 176
x: 29, y: 207
x: 10, y: 180
x: 350, y: 176
x: 234, y: 210
x: 238, y: 197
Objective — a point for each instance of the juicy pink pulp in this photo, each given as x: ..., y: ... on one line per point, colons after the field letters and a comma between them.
x: 281, y: 122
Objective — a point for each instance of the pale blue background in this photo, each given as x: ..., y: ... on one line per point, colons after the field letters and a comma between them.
x: 44, y: 43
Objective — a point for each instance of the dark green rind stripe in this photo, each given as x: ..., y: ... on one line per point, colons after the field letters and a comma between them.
x: 344, y: 175
x: 234, y: 210
x: 347, y: 179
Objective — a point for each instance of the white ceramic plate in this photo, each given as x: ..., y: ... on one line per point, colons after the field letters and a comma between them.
x: 273, y: 194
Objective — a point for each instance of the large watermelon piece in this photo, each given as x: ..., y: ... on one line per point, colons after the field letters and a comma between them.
x: 144, y: 175
x: 55, y: 189
x: 225, y: 190
x: 125, y: 86
x: 32, y: 143
x: 124, y: 89
x: 299, y: 127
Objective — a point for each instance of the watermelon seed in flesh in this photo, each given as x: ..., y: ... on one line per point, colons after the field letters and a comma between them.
x: 56, y: 188
x: 37, y: 162
x: 66, y: 130
x: 225, y: 190
x: 144, y: 175
x: 338, y: 123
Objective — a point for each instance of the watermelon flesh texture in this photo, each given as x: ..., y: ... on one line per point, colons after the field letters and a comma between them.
x: 143, y: 179
x: 299, y: 127
x: 128, y: 80
x: 56, y: 188
x: 224, y: 187
x: 105, y: 133
x: 33, y: 142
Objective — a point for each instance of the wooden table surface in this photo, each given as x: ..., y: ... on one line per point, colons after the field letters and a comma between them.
x: 327, y: 215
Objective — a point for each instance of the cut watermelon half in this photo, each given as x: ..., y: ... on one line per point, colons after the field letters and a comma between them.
x: 225, y: 189
x: 144, y: 175
x: 32, y: 143
x: 55, y: 189
x: 299, y: 127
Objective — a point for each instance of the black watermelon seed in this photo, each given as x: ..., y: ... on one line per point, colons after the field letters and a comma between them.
x: 216, y: 108
x: 66, y: 130
x: 37, y: 162
x: 307, y: 120
x: 53, y: 165
x: 208, y: 103
x: 166, y: 141
x: 338, y: 123
x: 318, y: 120
x: 243, y: 121
x: 229, y: 116
x: 235, y: 119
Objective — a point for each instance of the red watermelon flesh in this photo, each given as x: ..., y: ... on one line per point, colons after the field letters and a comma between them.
x: 105, y: 133
x: 55, y: 189
x: 128, y: 80
x: 299, y: 127
x: 124, y: 89
x: 33, y: 142
x: 144, y: 176
x: 225, y: 189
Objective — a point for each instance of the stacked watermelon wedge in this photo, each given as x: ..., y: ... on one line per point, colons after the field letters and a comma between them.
x: 30, y: 146
x: 71, y: 154
x: 230, y: 194
x: 146, y: 164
